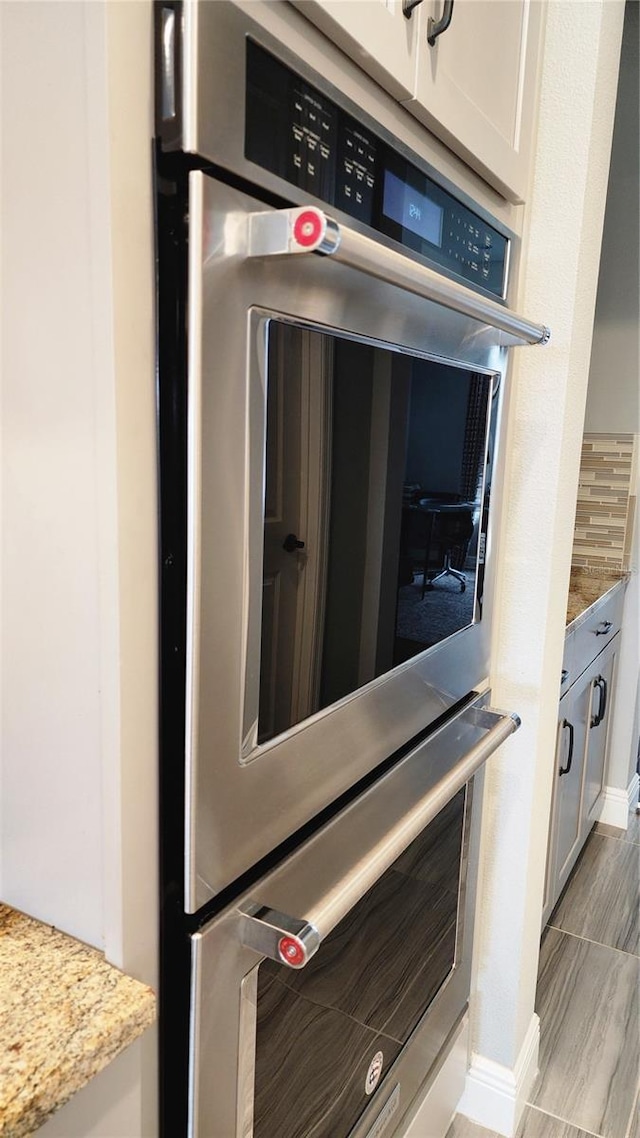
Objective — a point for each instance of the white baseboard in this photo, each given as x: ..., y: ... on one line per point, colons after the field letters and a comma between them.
x: 495, y: 1096
x: 614, y: 810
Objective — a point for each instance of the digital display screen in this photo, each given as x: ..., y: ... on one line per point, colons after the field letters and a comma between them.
x: 411, y: 209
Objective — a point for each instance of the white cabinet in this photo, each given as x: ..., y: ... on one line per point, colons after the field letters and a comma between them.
x: 570, y: 750
x: 583, y: 729
x: 597, y: 732
x: 375, y: 34
x: 474, y: 86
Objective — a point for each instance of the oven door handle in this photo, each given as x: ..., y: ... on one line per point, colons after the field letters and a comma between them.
x: 284, y: 232
x: 294, y: 940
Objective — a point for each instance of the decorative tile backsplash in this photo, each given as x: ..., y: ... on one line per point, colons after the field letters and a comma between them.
x: 606, y: 505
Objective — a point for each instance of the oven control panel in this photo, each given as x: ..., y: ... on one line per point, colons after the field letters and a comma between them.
x: 296, y: 132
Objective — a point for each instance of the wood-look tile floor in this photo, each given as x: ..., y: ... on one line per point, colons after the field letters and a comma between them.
x: 588, y: 1001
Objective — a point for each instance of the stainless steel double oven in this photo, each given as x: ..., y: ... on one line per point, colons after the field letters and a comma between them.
x: 333, y: 348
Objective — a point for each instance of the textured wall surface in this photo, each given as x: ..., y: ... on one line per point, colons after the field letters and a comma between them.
x: 546, y: 414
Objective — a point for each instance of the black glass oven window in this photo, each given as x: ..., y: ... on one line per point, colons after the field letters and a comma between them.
x: 376, y: 500
x: 362, y: 995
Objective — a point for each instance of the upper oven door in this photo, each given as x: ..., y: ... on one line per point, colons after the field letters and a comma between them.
x: 342, y: 433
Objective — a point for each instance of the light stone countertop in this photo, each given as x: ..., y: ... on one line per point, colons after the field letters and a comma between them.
x: 65, y: 1013
x: 586, y: 586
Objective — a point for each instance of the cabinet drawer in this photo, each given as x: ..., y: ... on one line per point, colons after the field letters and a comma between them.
x: 596, y: 629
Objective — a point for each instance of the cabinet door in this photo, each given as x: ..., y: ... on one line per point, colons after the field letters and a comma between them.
x: 375, y: 34
x: 477, y: 86
x: 598, y: 730
x: 572, y: 732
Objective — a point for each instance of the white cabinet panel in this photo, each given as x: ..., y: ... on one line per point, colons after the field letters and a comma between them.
x: 572, y: 734
x: 580, y: 763
x: 598, y: 731
x: 375, y: 34
x: 476, y: 86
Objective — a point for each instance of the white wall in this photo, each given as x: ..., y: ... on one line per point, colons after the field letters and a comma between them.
x: 558, y: 286
x: 51, y: 394
x: 79, y: 647
x: 78, y: 476
x: 613, y: 398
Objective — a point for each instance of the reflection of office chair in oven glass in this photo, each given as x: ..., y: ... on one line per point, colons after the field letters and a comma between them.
x: 415, y: 545
x: 453, y: 530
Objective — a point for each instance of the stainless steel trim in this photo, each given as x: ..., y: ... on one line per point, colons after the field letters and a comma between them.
x: 247, y: 1033
x: 281, y: 938
x: 306, y: 229
x: 168, y: 63
x: 191, y: 79
x: 267, y: 927
x: 281, y: 232
x: 488, y: 717
x: 195, y: 1001
x: 389, y: 1108
x: 194, y: 528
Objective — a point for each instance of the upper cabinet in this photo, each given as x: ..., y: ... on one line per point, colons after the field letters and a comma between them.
x: 476, y: 85
x: 376, y: 34
x: 473, y: 84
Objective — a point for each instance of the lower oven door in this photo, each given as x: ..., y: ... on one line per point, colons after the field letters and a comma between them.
x: 322, y: 998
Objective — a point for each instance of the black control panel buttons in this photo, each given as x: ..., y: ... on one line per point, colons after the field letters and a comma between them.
x: 299, y: 134
x: 356, y: 171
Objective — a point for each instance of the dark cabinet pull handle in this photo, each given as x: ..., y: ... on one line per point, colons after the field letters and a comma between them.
x: 565, y: 770
x: 291, y: 543
x: 435, y: 28
x: 408, y: 6
x: 601, y: 684
x: 605, y: 692
x: 603, y: 628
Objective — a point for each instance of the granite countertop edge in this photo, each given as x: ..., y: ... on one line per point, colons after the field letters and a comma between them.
x: 601, y: 583
x: 66, y: 1014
